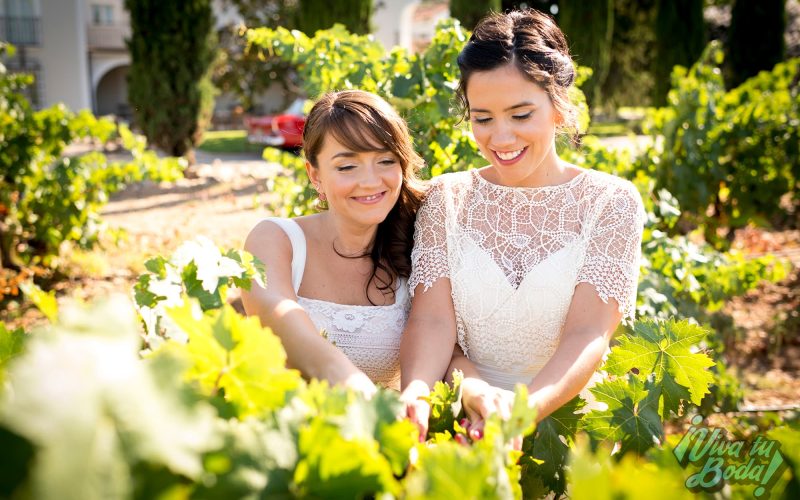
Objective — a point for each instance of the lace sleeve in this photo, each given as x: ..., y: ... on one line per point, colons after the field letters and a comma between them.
x: 614, y: 252
x: 429, y: 256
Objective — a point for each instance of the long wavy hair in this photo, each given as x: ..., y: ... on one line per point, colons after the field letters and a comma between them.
x: 362, y: 122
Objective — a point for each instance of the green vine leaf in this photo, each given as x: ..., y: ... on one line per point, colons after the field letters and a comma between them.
x: 665, y: 349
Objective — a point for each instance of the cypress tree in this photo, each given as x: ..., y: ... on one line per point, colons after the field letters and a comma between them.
x: 755, y: 39
x: 589, y: 27
x: 172, y: 48
x: 314, y: 15
x: 469, y: 12
x: 680, y: 38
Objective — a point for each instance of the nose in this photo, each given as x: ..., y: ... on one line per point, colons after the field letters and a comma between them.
x: 503, y: 136
x: 370, y: 176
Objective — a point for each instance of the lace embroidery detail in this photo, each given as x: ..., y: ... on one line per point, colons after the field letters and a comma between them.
x: 368, y: 335
x: 514, y: 256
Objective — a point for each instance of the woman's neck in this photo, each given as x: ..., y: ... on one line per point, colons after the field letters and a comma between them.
x: 349, y: 239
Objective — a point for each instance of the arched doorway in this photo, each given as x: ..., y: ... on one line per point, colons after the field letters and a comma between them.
x: 112, y: 93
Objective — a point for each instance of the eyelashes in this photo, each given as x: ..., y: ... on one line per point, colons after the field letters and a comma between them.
x: 519, y: 118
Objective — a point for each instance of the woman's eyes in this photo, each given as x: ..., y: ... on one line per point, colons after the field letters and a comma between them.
x: 385, y: 162
x: 520, y: 118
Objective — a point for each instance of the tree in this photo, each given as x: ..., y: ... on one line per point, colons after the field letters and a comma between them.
x: 680, y: 38
x: 172, y: 48
x: 630, y: 79
x: 247, y: 71
x: 589, y: 28
x: 755, y: 39
x: 314, y: 15
x: 469, y: 12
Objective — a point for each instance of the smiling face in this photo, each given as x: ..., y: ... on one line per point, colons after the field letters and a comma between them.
x: 514, y: 123
x: 361, y: 187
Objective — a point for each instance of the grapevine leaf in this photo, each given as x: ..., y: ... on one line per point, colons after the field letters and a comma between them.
x: 445, y: 404
x: 522, y: 420
x: 450, y: 470
x: 340, y: 468
x: 631, y: 416
x: 235, y: 354
x: 664, y: 348
x: 11, y: 345
x: 548, y: 449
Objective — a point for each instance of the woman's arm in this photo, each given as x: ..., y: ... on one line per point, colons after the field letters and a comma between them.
x: 277, y: 308
x: 427, y: 344
x: 589, y: 327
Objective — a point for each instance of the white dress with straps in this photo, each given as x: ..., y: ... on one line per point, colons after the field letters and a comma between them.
x: 514, y: 256
x: 368, y: 335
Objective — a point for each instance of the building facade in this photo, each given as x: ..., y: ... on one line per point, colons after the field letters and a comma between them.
x: 76, y: 48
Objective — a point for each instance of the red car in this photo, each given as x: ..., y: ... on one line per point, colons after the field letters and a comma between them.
x: 284, y: 130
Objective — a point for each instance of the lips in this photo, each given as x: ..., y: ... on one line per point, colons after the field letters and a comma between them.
x: 509, y: 157
x: 370, y: 199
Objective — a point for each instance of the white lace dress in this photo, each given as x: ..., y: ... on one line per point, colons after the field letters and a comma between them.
x: 515, y: 255
x: 368, y: 335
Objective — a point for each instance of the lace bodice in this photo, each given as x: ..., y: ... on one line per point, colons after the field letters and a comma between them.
x: 514, y: 256
x: 368, y: 335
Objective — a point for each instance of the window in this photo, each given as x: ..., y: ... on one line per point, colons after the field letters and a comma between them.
x: 102, y: 14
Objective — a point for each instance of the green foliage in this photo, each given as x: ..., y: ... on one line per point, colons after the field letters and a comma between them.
x: 315, y: 15
x: 469, y: 12
x: 11, y: 345
x: 680, y: 38
x: 170, y: 86
x: 231, y: 355
x: 247, y: 73
x: 729, y: 156
x: 198, y: 269
x: 106, y: 413
x: 755, y: 38
x: 665, y: 351
x: 46, y: 199
x: 630, y: 80
x: 589, y: 28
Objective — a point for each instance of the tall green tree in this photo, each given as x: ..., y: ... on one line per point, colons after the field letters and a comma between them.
x: 589, y: 27
x: 172, y: 48
x: 630, y: 78
x: 469, y: 12
x: 680, y: 38
x: 314, y: 15
x: 755, y: 39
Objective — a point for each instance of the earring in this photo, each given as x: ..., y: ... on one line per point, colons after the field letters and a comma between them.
x: 322, y: 197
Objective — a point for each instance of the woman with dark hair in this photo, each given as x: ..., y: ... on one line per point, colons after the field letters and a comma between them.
x: 522, y: 269
x: 342, y: 272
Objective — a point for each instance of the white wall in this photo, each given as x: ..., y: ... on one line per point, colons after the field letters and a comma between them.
x: 63, y: 56
x: 392, y: 22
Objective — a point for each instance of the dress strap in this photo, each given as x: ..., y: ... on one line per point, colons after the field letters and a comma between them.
x: 298, y: 240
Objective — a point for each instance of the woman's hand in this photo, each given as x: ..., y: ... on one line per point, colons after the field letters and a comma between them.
x: 418, y: 410
x: 480, y: 400
x: 359, y: 382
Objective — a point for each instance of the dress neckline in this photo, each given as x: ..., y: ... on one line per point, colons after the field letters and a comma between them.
x: 399, y: 298
x: 481, y: 179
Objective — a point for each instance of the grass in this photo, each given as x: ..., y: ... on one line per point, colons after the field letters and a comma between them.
x: 228, y: 141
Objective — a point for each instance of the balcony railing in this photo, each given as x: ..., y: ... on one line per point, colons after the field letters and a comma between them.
x: 20, y: 31
x: 108, y: 36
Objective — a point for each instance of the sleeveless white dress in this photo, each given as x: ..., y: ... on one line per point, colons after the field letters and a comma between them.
x: 368, y: 335
x: 514, y: 256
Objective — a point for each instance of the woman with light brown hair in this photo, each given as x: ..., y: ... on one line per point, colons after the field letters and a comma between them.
x: 336, y: 289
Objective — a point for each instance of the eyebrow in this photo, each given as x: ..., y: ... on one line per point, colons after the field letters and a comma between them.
x: 522, y: 104
x: 353, y: 154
